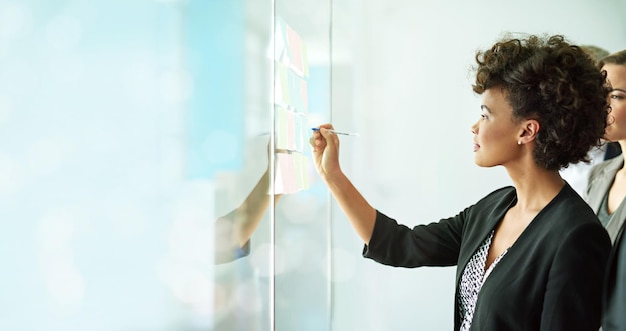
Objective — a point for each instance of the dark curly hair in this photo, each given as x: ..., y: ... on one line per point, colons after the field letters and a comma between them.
x: 554, y: 82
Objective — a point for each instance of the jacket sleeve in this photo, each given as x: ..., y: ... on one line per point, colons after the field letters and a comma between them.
x: 435, y: 244
x: 574, y: 288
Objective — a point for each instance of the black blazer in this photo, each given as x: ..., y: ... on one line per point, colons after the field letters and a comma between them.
x: 550, y: 279
x: 614, y: 301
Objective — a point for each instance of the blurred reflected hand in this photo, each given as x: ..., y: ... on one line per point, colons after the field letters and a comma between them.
x: 325, y: 152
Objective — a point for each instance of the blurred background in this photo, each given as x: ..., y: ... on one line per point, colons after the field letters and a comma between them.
x: 128, y: 129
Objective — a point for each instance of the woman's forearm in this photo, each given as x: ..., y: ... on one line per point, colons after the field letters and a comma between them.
x: 360, y: 213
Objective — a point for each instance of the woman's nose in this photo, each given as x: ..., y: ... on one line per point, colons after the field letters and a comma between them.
x: 474, y: 128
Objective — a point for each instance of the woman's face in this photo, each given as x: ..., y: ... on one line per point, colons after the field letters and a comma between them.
x: 616, y: 128
x: 495, y: 133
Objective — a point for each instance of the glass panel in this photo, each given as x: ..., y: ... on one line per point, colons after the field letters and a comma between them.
x: 91, y: 97
x: 128, y: 129
x: 228, y: 137
x: 302, y: 100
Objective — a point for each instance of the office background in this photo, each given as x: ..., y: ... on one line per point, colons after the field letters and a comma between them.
x: 128, y: 127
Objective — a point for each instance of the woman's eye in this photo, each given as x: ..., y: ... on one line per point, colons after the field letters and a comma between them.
x: 616, y: 97
x: 483, y: 116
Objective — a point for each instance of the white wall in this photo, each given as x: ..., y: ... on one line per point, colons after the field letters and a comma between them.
x: 402, y: 80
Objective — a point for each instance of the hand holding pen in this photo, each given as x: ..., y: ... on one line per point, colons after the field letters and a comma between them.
x: 325, y: 144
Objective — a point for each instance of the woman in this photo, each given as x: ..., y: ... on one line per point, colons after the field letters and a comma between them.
x: 606, y: 191
x: 607, y: 181
x: 528, y: 257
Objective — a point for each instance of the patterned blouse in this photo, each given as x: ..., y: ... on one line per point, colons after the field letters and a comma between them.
x: 472, y: 280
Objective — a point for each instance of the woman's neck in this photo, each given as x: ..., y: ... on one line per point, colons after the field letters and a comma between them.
x: 536, y: 187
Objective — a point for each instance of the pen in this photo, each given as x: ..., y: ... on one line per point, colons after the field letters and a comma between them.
x: 338, y: 132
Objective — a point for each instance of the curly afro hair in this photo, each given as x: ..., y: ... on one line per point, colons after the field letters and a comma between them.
x: 554, y: 82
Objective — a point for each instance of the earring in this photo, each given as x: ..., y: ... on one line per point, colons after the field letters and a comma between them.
x: 519, y: 142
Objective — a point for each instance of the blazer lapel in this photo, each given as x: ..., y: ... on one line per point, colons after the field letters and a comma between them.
x: 601, y: 182
x: 616, y: 223
x: 489, y: 223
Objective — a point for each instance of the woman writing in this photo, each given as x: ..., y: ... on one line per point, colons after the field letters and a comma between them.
x: 530, y: 256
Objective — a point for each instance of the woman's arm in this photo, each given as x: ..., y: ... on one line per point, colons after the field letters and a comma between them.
x: 360, y: 213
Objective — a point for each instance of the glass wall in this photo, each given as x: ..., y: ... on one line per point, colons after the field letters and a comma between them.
x: 302, y: 101
x: 91, y: 97
x: 267, y: 81
x: 155, y: 172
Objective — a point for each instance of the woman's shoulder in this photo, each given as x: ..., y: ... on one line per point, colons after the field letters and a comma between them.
x: 569, y: 211
x: 496, y: 200
x: 507, y: 193
x: 568, y: 201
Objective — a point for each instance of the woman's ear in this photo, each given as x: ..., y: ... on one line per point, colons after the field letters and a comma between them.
x: 529, y: 131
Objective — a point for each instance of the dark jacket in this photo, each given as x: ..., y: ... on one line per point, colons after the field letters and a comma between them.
x: 601, y: 178
x: 614, y: 302
x: 550, y: 279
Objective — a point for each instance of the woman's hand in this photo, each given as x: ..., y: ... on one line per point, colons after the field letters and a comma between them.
x: 325, y: 152
x: 361, y: 215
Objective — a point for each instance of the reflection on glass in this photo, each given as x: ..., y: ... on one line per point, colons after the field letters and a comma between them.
x: 266, y: 273
x: 229, y: 146
x: 302, y: 239
x: 233, y: 231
